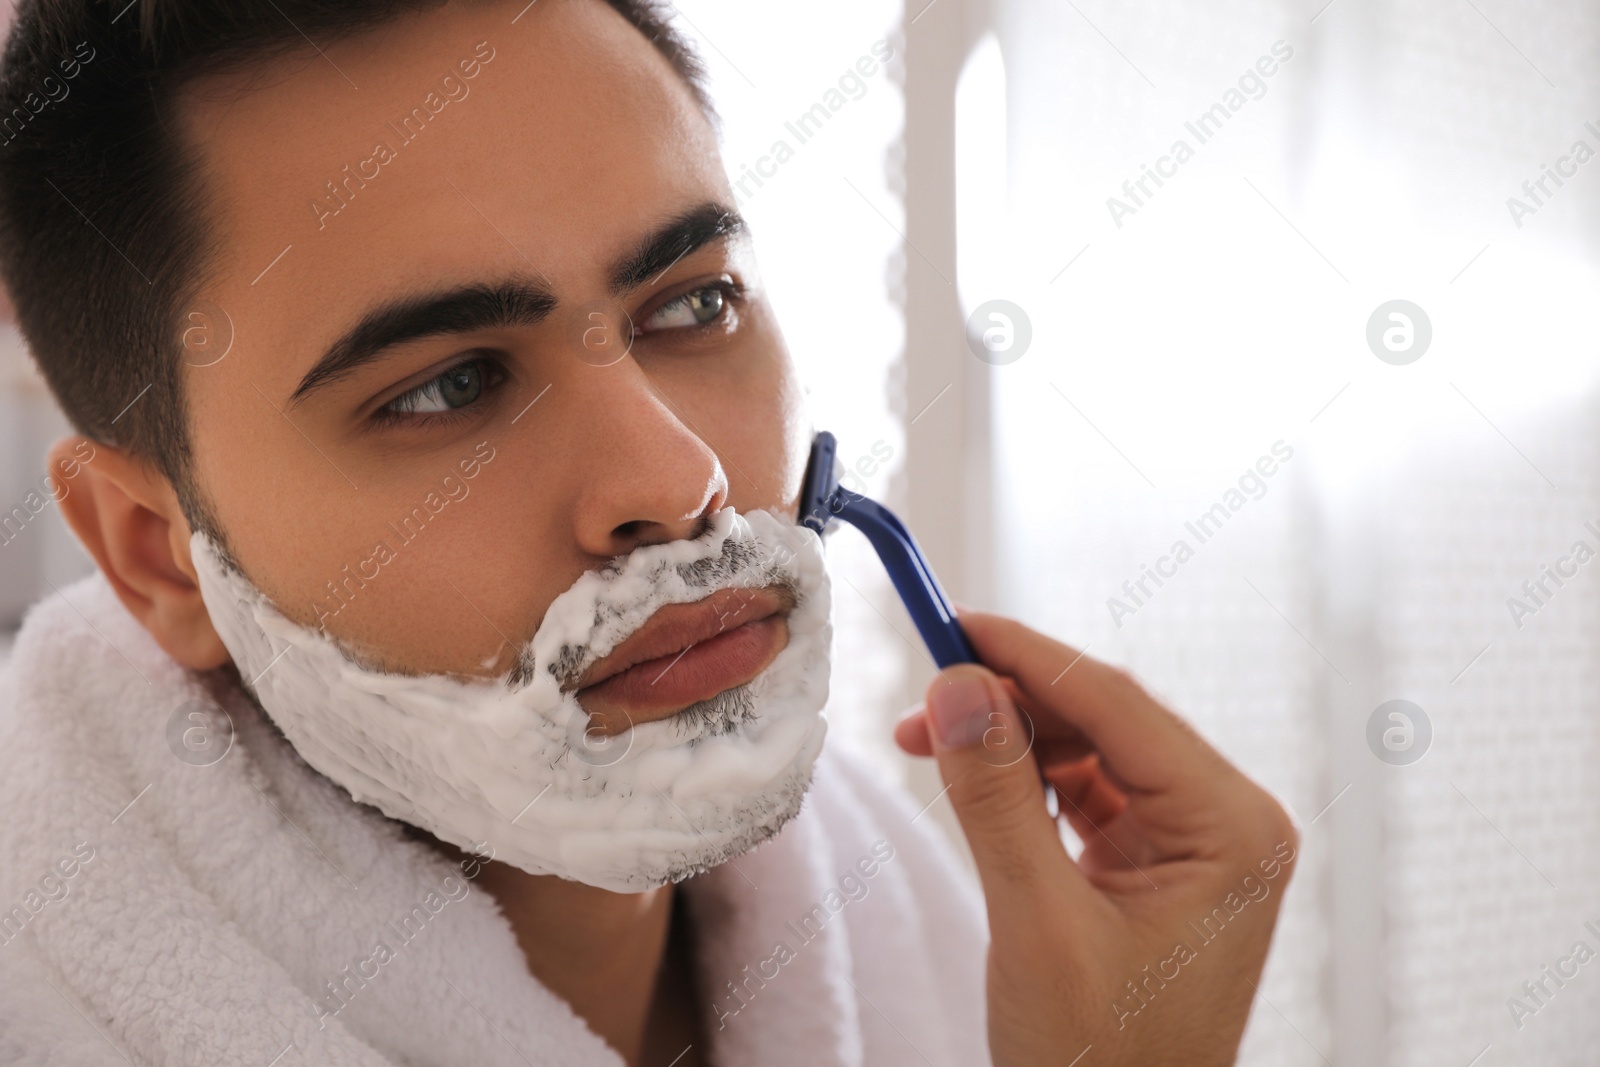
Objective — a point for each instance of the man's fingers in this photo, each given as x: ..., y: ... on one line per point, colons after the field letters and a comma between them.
x: 982, y: 744
x: 1086, y: 795
x: 1142, y: 742
x: 1083, y: 789
x: 911, y: 733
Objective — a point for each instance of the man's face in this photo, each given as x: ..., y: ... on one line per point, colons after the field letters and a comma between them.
x: 559, y: 184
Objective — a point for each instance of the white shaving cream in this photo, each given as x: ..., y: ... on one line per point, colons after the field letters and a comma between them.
x: 514, y: 763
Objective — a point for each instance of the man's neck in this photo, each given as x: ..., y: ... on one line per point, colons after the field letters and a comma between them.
x: 599, y: 951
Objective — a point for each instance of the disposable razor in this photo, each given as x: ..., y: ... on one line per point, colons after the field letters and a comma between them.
x: 823, y: 499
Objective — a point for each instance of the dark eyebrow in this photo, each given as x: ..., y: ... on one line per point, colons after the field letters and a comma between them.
x: 463, y: 310
x: 518, y: 302
x: 657, y: 253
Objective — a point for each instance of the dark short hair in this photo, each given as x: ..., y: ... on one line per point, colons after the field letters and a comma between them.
x: 101, y: 234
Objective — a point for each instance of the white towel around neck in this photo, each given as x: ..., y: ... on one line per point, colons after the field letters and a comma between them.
x: 221, y: 900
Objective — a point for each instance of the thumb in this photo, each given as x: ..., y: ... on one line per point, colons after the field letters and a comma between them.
x: 983, y: 743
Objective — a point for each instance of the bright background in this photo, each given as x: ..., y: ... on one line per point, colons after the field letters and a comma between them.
x: 1227, y: 314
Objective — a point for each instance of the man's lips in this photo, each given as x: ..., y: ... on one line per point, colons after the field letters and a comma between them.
x: 684, y: 654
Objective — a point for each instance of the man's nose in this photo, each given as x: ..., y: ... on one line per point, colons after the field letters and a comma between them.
x: 647, y: 476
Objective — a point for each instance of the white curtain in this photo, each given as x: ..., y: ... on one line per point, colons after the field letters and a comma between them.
x: 1205, y: 319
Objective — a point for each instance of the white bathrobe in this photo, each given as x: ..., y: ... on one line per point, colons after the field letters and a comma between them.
x: 156, y: 912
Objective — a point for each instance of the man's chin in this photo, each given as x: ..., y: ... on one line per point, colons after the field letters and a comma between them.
x: 724, y: 713
x: 757, y: 820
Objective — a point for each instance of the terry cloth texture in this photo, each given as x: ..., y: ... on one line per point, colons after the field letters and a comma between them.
x: 158, y: 910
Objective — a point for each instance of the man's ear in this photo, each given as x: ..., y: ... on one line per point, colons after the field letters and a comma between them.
x: 127, y: 516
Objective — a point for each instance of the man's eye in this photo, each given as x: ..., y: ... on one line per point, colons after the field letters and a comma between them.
x: 695, y: 308
x: 458, y: 387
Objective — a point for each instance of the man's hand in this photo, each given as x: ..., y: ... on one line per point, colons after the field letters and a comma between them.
x: 1150, y: 945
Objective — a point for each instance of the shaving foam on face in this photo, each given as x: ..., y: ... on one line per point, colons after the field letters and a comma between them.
x: 514, y: 763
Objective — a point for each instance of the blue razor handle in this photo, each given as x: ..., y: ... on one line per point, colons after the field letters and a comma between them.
x: 823, y: 499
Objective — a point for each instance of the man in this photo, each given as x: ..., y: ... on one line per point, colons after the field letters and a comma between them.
x: 407, y: 342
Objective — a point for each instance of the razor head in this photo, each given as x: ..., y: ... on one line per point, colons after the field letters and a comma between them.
x: 820, y: 485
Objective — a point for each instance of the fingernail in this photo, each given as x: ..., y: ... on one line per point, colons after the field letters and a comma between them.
x: 960, y: 708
